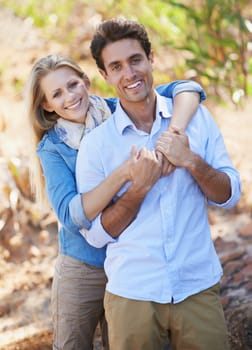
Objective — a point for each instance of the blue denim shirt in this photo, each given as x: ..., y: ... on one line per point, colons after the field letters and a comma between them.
x: 58, y: 162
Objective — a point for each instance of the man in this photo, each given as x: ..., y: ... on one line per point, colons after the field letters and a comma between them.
x: 162, y: 268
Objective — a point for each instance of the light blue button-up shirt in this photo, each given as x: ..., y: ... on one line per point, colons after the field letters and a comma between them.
x: 167, y: 252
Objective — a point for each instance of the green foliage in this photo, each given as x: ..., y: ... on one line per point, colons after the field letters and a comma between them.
x: 215, y: 37
x: 18, y: 85
x: 100, y: 86
x: 48, y: 15
x: 43, y: 13
x: 205, y: 40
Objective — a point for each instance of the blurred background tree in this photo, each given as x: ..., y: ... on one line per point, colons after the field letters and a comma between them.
x: 209, y: 41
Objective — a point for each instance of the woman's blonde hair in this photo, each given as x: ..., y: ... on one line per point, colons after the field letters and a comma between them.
x: 40, y: 120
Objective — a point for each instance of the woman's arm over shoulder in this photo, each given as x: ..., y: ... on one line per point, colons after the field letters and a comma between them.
x: 178, y: 86
x: 169, y: 90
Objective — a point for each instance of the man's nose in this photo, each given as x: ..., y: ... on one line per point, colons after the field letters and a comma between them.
x: 129, y: 71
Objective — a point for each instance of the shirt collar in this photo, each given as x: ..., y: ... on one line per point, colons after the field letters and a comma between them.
x: 163, y: 110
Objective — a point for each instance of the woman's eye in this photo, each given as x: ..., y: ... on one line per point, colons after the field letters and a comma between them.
x: 57, y: 94
x: 73, y: 84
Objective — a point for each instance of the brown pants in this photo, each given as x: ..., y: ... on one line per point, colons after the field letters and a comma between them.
x: 197, y: 323
x: 77, y: 304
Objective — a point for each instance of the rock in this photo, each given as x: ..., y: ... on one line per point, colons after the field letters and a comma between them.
x: 240, y: 327
x: 247, y: 271
x: 229, y: 255
x: 246, y: 231
x: 248, y: 286
x: 232, y: 266
x: 222, y: 245
x: 238, y: 278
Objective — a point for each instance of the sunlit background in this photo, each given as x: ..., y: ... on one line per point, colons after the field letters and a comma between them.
x: 209, y: 41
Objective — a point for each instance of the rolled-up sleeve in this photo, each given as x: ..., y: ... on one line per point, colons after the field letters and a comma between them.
x: 96, y: 235
x: 77, y: 212
x: 235, y: 184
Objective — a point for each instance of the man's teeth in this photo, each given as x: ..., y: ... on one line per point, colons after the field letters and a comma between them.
x: 132, y: 86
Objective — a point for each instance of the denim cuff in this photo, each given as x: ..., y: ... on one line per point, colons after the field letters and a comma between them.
x: 77, y: 213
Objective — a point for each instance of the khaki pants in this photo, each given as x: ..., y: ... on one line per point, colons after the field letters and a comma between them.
x: 195, y: 324
x: 77, y: 304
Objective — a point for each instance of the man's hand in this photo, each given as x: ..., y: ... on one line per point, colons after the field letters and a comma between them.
x: 145, y: 169
x: 174, y: 145
x: 167, y: 167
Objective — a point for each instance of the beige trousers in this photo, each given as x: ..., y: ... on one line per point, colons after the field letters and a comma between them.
x: 197, y: 323
x: 77, y: 304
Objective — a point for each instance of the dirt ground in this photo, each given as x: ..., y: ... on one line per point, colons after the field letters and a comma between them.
x: 29, y: 245
x: 28, y: 238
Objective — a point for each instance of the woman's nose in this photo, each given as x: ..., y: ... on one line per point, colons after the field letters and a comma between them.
x: 69, y: 95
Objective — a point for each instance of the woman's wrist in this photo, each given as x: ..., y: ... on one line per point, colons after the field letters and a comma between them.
x: 123, y: 172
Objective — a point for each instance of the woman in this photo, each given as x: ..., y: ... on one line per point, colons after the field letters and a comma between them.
x: 61, y: 112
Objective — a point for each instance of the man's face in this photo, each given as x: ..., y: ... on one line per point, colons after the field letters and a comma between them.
x: 129, y: 70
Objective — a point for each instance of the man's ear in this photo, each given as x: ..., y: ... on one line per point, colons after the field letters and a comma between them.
x: 103, y: 74
x: 151, y: 59
x: 46, y: 106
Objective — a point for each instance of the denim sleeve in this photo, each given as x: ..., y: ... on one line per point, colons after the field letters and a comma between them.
x: 111, y: 102
x: 178, y: 86
x: 61, y: 191
x: 77, y: 212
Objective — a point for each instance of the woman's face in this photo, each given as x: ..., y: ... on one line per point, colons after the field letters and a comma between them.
x: 66, y: 94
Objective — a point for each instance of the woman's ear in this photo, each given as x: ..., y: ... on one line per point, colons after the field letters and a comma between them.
x: 87, y: 83
x: 46, y: 106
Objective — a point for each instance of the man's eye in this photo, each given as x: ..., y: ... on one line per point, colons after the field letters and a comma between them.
x: 136, y: 60
x: 116, y: 67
